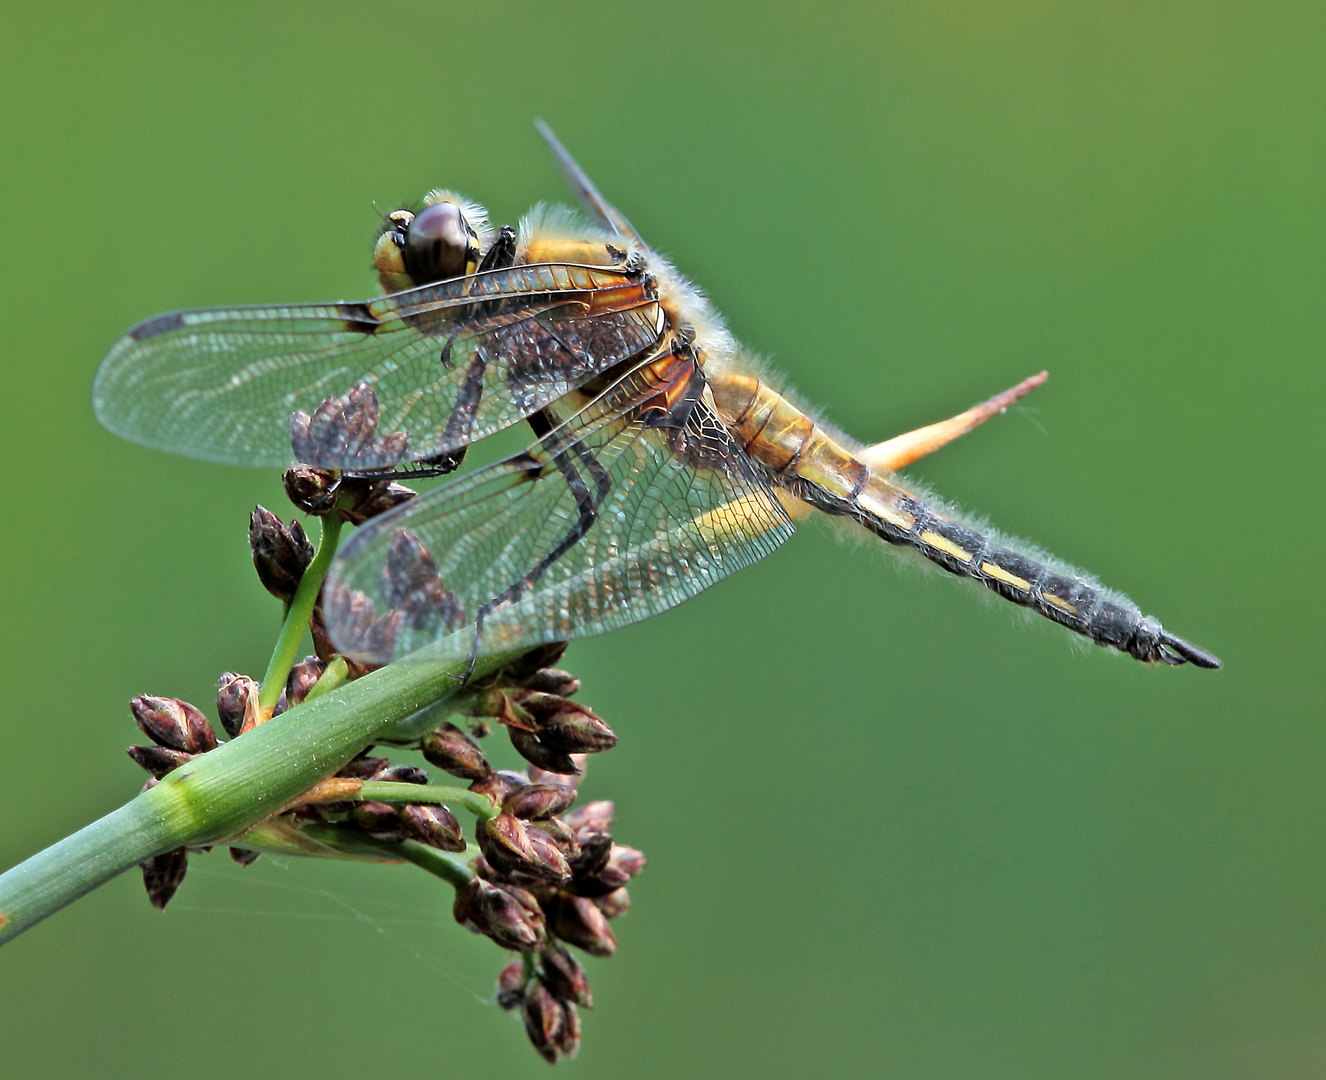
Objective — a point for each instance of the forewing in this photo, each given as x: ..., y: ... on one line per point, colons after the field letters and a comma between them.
x: 447, y: 364
x: 675, y: 510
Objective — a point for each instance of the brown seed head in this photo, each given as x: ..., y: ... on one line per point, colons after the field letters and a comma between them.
x: 614, y: 904
x: 173, y: 723
x: 538, y: 753
x: 451, y: 750
x: 342, y: 433
x: 412, y: 585
x: 573, y: 728
x: 404, y: 774
x: 311, y: 489
x: 376, y: 499
x: 552, y: 681
x: 158, y: 760
x: 534, y: 801
x: 281, y: 553
x: 595, y: 850
x: 364, y: 767
x: 525, y: 665
x: 511, y: 986
x: 236, y: 702
x: 498, y: 785
x: 544, y: 1021
x: 577, y: 921
x: 505, y: 913
x: 243, y: 856
x: 302, y: 678
x: 361, y: 632
x: 564, y: 977
x: 594, y: 816
x: 434, y: 825
x: 163, y: 874
x: 379, y: 820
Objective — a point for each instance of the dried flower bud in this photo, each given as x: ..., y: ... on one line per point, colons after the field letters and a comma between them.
x: 404, y: 774
x: 627, y: 860
x: 361, y: 631
x: 158, y: 760
x: 236, y: 702
x: 559, y: 834
x: 562, y: 974
x: 451, y: 750
x: 281, y: 553
x: 548, y: 860
x: 544, y: 1021
x: 364, y: 767
x: 311, y: 489
x: 577, y: 921
x: 163, y: 874
x: 243, y: 856
x: 411, y: 584
x: 594, y: 816
x: 525, y: 665
x: 532, y: 748
x: 543, y: 776
x: 622, y: 864
x: 552, y: 681
x: 504, y: 841
x: 535, y: 801
x: 434, y: 825
x: 174, y: 723
x: 511, y: 986
x: 379, y: 820
x: 569, y: 1043
x: 566, y: 725
x: 499, y: 785
x: 595, y: 851
x: 377, y: 499
x: 505, y: 913
x: 342, y: 433
x: 302, y: 678
x: 614, y: 904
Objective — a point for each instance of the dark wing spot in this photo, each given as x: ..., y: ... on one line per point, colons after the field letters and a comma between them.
x: 158, y: 324
x: 358, y: 319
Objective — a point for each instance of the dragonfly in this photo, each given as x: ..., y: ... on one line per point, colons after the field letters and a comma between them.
x: 665, y: 458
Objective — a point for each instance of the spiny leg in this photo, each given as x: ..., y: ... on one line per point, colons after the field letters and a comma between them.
x: 587, y: 506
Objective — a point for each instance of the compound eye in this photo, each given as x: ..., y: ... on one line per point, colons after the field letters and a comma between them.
x: 439, y: 244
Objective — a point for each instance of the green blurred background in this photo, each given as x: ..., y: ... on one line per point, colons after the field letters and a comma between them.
x: 893, y: 830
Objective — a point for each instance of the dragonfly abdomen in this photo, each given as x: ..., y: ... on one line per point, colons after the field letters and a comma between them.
x: 810, y: 464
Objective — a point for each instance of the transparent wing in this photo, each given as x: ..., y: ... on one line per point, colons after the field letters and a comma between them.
x: 603, y: 211
x: 448, y: 363
x: 637, y: 503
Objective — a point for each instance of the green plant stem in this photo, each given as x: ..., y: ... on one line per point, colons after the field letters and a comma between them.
x: 450, y: 867
x: 330, y: 842
x: 298, y: 614
x: 481, y: 806
x: 234, y: 787
x: 337, y: 672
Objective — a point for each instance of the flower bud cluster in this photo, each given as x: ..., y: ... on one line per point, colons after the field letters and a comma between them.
x: 540, y: 874
x: 179, y: 733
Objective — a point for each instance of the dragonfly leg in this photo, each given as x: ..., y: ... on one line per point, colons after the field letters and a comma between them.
x: 587, y: 501
x: 900, y: 451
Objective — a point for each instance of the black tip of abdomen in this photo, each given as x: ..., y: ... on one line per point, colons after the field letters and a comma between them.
x: 1174, y: 650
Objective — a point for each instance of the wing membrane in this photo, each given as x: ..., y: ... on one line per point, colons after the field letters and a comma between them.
x: 604, y: 522
x: 448, y: 363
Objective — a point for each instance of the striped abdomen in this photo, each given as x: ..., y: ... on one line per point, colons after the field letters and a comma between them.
x: 814, y: 467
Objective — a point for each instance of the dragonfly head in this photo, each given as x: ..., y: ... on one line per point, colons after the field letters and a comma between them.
x: 445, y: 239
